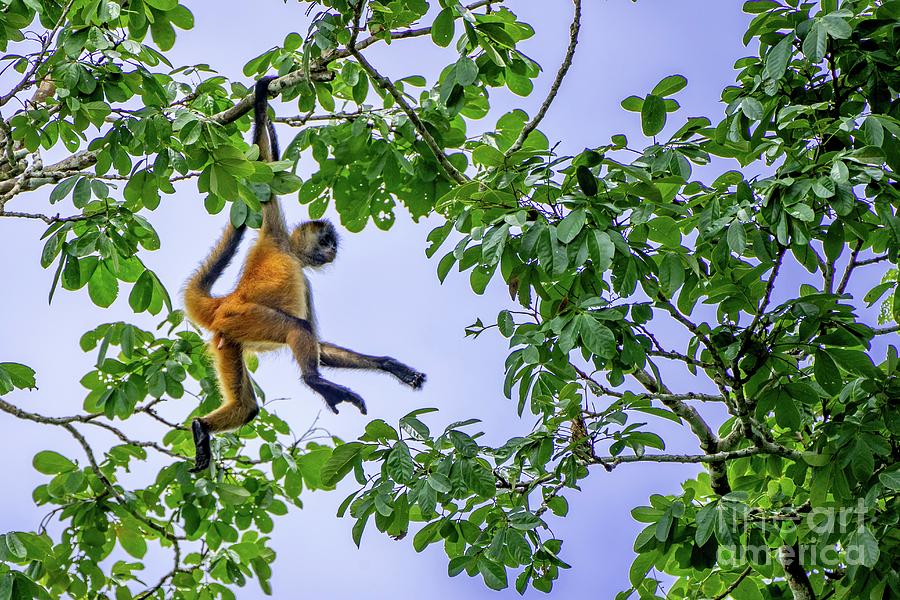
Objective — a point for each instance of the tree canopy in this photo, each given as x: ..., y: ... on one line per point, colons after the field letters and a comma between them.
x: 766, y: 234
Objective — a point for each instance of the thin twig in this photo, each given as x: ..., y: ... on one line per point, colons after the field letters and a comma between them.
x: 845, y: 280
x: 385, y: 84
x: 554, y: 88
x: 45, y: 218
x: 26, y: 79
x: 747, y: 570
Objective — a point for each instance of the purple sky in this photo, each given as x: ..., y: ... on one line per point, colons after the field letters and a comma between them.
x: 382, y: 296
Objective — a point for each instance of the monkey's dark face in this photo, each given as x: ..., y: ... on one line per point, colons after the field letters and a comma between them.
x: 315, y: 243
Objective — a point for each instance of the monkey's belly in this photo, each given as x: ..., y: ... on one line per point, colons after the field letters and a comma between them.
x: 261, y: 347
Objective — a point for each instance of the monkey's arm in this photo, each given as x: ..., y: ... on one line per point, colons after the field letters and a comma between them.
x: 331, y: 355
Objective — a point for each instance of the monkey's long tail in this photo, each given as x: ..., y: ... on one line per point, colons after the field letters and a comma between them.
x: 200, y: 304
x: 263, y: 130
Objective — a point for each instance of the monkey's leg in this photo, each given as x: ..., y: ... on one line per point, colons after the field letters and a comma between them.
x: 331, y: 355
x: 259, y: 323
x: 238, y: 401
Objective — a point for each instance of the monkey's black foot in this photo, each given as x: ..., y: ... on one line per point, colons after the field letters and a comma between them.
x: 407, y: 375
x: 203, y: 453
x: 334, y: 394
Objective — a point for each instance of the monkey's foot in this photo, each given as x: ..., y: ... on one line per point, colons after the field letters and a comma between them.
x: 405, y: 374
x: 201, y: 442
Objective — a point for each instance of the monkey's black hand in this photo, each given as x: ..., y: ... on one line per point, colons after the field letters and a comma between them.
x: 334, y: 394
x: 407, y: 375
x: 201, y: 442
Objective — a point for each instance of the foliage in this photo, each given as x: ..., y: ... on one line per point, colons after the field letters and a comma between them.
x: 759, y: 266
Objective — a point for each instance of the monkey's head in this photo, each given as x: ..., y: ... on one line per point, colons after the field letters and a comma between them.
x: 315, y: 242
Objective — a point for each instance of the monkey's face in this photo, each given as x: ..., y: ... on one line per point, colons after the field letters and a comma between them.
x: 315, y: 243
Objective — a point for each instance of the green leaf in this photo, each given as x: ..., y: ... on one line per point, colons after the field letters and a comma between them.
x: 15, y: 546
x: 569, y: 228
x: 586, y: 180
x: 737, y: 238
x: 895, y: 303
x: 891, y: 478
x: 633, y: 103
x: 665, y: 230
x: 817, y: 460
x: 524, y: 520
x: 863, y: 546
x: 493, y: 244
x: 814, y: 43
x: 597, y: 338
x: 82, y: 194
x: 834, y: 240
x: 51, y: 463
x: 142, y: 293
x: 671, y: 274
x: 16, y: 376
x: 427, y: 535
x: 778, y: 57
x: 601, y: 250
x: 855, y: 361
x: 439, y: 483
x: 163, y: 5
x: 827, y: 374
x: 341, y: 462
x: 836, y: 27
x: 62, y: 189
x: 103, y: 287
x: 653, y: 115
x: 132, y: 540
x: 488, y: 156
x: 706, y: 521
x: 493, y: 573
x: 443, y: 28
x: 752, y: 108
x: 640, y: 566
x: 399, y: 464
x: 505, y: 323
x: 232, y: 494
x: 670, y: 85
x: 379, y: 430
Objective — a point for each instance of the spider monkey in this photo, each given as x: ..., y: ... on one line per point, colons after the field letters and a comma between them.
x: 270, y: 307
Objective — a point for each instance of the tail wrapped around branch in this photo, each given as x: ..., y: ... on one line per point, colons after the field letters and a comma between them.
x: 199, y: 302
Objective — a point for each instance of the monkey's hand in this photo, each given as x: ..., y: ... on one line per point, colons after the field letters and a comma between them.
x: 201, y: 442
x: 334, y: 394
x: 404, y: 373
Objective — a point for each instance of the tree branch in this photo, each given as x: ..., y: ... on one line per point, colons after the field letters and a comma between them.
x: 610, y: 462
x: 886, y: 330
x: 795, y: 574
x: 385, y: 84
x: 45, y: 218
x: 845, y: 280
x: 554, y: 88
